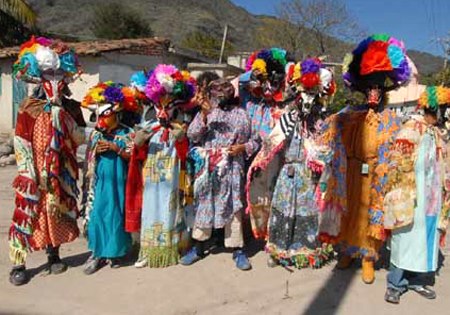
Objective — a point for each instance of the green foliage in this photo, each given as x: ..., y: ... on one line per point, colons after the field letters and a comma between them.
x: 117, y: 21
x: 443, y: 77
x: 19, y: 10
x: 206, y: 44
x: 344, y: 96
x: 440, y: 78
x: 15, y: 16
x: 12, y: 32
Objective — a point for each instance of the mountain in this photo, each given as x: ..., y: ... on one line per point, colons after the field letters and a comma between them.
x: 175, y: 19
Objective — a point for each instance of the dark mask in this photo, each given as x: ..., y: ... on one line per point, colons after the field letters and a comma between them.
x: 221, y: 93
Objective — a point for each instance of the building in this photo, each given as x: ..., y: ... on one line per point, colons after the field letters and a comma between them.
x: 404, y: 99
x: 102, y: 60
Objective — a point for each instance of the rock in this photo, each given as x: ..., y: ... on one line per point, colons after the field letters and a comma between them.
x: 7, y: 160
x: 5, y: 149
x: 11, y: 159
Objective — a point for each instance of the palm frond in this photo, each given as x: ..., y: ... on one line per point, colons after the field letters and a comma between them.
x: 19, y: 10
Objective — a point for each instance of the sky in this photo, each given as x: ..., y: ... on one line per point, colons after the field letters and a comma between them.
x: 417, y: 22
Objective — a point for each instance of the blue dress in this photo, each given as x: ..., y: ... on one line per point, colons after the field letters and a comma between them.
x: 106, y: 228
x: 416, y: 247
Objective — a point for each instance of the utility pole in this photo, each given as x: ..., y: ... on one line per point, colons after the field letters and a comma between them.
x: 224, y: 40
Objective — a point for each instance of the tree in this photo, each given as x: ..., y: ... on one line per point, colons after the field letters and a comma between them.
x: 16, y: 17
x: 18, y: 10
x: 443, y: 77
x: 322, y: 19
x: 206, y: 44
x: 282, y: 33
x: 117, y: 21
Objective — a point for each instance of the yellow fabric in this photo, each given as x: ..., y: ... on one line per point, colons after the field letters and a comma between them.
x: 361, y: 142
x: 399, y: 201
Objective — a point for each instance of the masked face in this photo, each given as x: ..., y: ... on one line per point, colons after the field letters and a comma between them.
x: 255, y: 84
x: 273, y: 84
x: 374, y: 96
x: 53, y: 84
x: 308, y: 100
x: 165, y: 111
x: 221, y: 92
x: 107, y: 118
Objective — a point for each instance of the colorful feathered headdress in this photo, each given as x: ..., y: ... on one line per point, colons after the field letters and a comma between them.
x: 267, y: 61
x: 39, y: 55
x: 311, y: 74
x: 377, y: 54
x: 433, y: 97
x: 138, y: 80
x: 121, y: 97
x: 168, y: 86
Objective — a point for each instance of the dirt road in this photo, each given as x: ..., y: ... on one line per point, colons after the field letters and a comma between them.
x: 212, y: 286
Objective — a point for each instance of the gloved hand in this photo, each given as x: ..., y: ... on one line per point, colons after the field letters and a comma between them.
x: 141, y: 137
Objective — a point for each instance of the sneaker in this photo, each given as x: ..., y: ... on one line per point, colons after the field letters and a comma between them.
x: 424, y: 291
x: 114, y: 263
x: 141, y: 263
x: 241, y: 260
x: 392, y: 296
x: 190, y: 258
x: 19, y: 276
x: 56, y: 266
x: 92, y: 265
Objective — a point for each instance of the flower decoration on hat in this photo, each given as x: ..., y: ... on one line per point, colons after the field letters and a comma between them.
x: 40, y: 55
x: 311, y: 75
x: 433, y: 97
x: 267, y: 61
x: 379, y: 57
x: 122, y: 98
x: 167, y: 86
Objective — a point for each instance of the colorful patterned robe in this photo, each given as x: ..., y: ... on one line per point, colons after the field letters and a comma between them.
x: 46, y: 185
x: 414, y: 196
x: 263, y: 171
x: 155, y: 195
x: 352, y: 209
x: 293, y: 224
x: 219, y: 178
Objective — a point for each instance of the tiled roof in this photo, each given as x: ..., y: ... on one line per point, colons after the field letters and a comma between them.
x: 139, y: 46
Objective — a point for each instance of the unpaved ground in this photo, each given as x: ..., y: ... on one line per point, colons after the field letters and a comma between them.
x: 212, y: 286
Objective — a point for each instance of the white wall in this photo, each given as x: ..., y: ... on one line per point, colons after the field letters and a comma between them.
x: 6, y: 96
x: 109, y: 66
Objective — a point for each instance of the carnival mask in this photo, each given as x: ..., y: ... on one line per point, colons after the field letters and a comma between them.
x: 165, y: 110
x: 374, y: 96
x: 53, y: 83
x: 221, y: 93
x: 308, y: 100
x: 107, y: 118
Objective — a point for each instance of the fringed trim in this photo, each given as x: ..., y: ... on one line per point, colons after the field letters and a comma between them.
x: 20, y: 241
x: 377, y: 232
x: 17, y: 256
x: 360, y: 252
x: 316, y: 166
x: 160, y: 257
x: 261, y: 164
x: 326, y: 238
x: 303, y: 258
x: 25, y: 185
x: 259, y: 219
